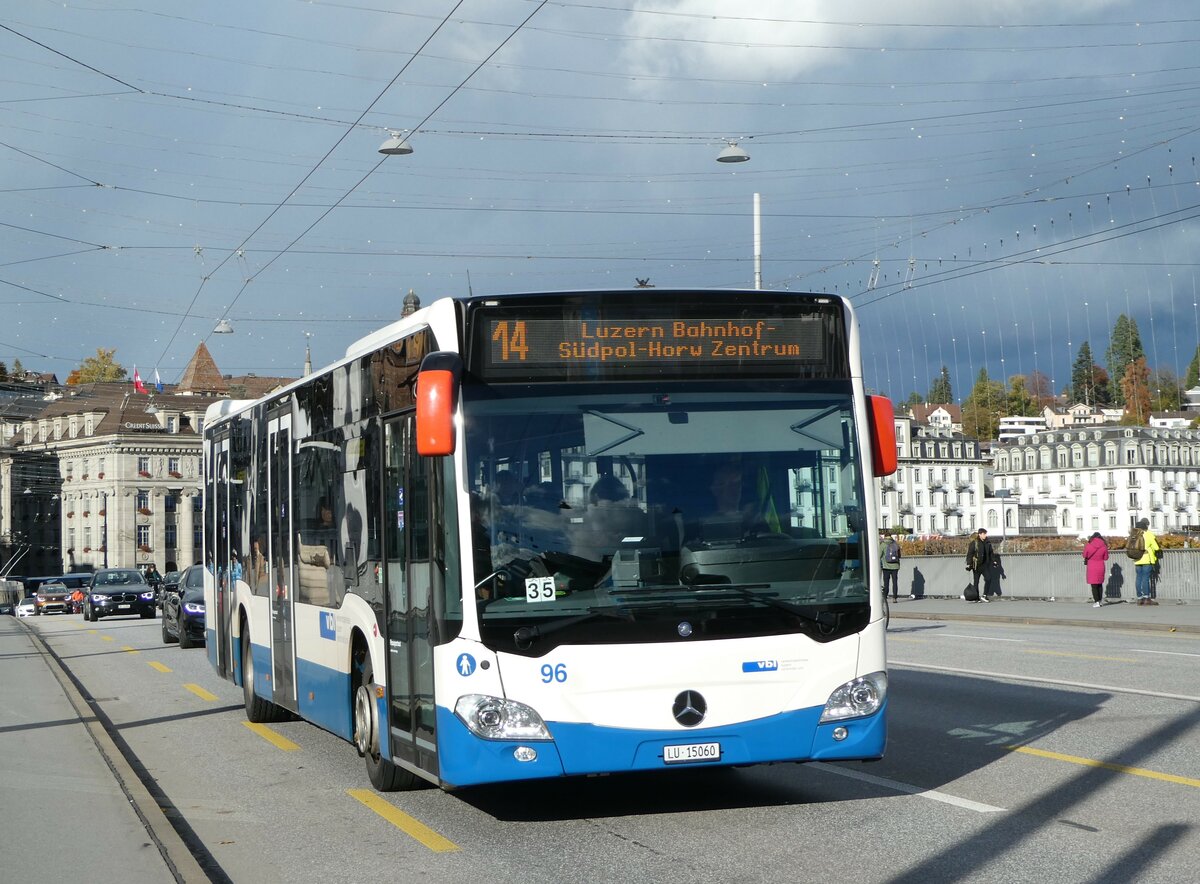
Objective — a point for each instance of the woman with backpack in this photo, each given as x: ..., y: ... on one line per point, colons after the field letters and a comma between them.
x: 1095, y: 557
x: 890, y: 562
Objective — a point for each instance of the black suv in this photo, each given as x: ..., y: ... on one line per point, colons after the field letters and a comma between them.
x: 118, y: 591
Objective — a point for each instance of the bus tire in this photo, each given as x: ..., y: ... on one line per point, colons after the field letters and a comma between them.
x: 258, y: 710
x: 383, y: 774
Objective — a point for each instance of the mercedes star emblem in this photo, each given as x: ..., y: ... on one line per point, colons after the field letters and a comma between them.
x: 689, y: 708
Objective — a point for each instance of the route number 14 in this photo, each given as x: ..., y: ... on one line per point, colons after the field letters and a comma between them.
x: 512, y: 341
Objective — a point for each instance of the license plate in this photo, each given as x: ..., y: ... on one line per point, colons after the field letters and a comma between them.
x: 122, y: 607
x: 692, y: 752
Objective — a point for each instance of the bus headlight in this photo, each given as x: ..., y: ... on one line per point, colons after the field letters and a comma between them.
x: 856, y: 699
x: 494, y: 718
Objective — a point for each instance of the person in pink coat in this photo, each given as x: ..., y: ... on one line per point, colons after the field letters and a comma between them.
x: 1095, y: 554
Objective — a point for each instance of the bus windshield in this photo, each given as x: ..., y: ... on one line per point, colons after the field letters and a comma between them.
x: 628, y: 513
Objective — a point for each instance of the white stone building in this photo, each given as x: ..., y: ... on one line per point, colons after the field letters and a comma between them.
x: 1100, y: 478
x: 939, y: 484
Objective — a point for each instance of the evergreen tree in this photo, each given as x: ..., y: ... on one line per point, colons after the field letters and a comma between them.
x: 3, y: 371
x: 98, y: 368
x: 18, y: 370
x: 1192, y: 378
x: 940, y: 392
x: 1081, y: 377
x: 914, y: 398
x: 1124, y: 349
x: 982, y: 409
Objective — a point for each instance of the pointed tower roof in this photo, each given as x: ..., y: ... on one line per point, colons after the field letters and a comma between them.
x: 201, y: 375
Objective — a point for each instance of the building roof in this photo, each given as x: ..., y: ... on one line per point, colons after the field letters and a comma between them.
x: 922, y: 412
x: 201, y: 375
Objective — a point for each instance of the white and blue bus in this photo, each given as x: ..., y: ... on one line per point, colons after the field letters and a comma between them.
x: 544, y: 535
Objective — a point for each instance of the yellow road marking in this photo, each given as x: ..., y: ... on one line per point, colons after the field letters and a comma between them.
x: 106, y: 638
x: 154, y: 664
x: 92, y: 631
x: 277, y: 740
x: 130, y: 650
x: 402, y: 821
x: 200, y: 692
x: 1083, y: 656
x: 1121, y: 768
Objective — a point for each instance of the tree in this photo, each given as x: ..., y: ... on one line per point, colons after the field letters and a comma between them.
x: 940, y: 392
x: 1166, y: 393
x: 1040, y: 389
x: 3, y: 371
x: 1135, y: 389
x: 982, y: 409
x: 98, y: 368
x: 18, y: 371
x: 1100, y: 386
x: 1081, y: 376
x: 1124, y: 349
x: 1020, y: 402
x: 1192, y: 378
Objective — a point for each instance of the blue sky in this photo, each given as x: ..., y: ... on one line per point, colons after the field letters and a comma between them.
x: 1022, y: 172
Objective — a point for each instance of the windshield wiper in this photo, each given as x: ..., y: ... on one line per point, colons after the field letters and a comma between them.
x: 525, y: 635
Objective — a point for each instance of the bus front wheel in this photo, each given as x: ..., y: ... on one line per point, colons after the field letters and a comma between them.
x: 383, y: 774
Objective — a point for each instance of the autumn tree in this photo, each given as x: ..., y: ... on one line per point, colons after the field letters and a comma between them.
x: 940, y: 392
x: 1124, y: 349
x: 1020, y: 402
x: 99, y: 368
x: 1135, y: 390
x: 1040, y: 389
x: 981, y: 410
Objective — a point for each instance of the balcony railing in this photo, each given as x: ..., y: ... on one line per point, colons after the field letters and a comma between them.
x: 1109, y: 485
x: 905, y: 510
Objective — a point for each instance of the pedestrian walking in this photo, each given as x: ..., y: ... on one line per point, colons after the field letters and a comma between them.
x: 979, y: 558
x: 890, y: 562
x: 1095, y: 557
x: 995, y: 573
x: 1145, y: 564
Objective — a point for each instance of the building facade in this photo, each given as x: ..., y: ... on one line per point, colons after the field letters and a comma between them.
x: 939, y: 484
x: 1101, y: 478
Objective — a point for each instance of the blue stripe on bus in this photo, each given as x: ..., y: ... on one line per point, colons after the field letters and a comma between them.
x: 584, y: 748
x: 329, y: 703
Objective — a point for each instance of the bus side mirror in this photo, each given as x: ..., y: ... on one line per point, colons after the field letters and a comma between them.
x: 883, y: 435
x: 437, y: 400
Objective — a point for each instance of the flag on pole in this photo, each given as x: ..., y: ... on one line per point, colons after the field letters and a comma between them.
x: 138, y: 386
x: 157, y: 382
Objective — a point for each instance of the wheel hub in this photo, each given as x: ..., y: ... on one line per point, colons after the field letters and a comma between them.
x: 364, y: 722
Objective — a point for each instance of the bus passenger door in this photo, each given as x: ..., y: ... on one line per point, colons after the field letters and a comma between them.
x: 279, y: 507
x: 408, y: 585
x: 219, y: 563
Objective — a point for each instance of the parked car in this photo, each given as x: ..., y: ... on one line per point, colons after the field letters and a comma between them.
x: 170, y: 583
x: 27, y: 607
x: 53, y: 598
x: 118, y: 592
x: 183, y: 611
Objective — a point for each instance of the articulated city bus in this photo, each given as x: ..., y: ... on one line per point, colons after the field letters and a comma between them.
x: 542, y: 535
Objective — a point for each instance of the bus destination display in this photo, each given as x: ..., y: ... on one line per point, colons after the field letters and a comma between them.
x: 648, y: 346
